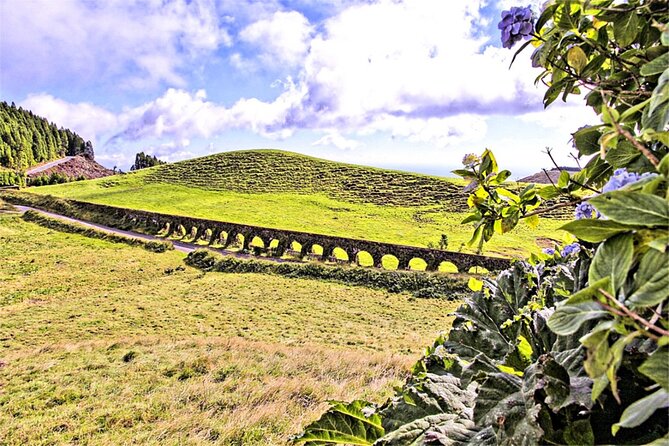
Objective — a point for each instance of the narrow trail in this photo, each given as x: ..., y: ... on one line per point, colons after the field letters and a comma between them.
x: 43, y: 167
x: 178, y: 245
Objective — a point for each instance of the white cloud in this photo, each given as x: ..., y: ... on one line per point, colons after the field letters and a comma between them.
x: 335, y: 139
x: 135, y: 42
x: 282, y: 40
x: 88, y: 120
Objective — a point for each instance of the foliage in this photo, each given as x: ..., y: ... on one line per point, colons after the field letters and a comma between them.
x: 10, y: 177
x: 27, y: 139
x: 142, y: 161
x: 424, y: 285
x: 572, y: 346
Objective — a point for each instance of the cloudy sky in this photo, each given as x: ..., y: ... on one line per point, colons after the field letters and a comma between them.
x: 407, y: 84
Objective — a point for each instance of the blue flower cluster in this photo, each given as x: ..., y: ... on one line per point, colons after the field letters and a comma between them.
x: 570, y: 249
x: 548, y: 251
x: 586, y: 210
x: 621, y: 178
x: 517, y: 23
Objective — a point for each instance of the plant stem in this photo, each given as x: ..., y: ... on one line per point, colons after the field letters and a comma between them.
x: 633, y: 315
x: 552, y: 208
x: 640, y: 147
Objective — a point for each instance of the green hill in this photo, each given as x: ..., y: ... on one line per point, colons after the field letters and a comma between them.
x: 275, y: 171
x: 290, y: 191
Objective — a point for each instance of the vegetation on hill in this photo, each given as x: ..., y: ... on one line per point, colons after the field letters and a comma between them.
x: 289, y: 191
x: 27, y: 139
x: 126, y: 346
x: 142, y: 161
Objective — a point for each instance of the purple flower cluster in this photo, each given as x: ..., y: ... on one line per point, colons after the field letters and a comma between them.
x: 586, y: 210
x: 570, y: 249
x: 548, y: 251
x: 470, y: 160
x: 517, y: 23
x: 621, y: 178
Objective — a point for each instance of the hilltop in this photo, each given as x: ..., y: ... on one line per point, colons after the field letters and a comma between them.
x: 276, y: 171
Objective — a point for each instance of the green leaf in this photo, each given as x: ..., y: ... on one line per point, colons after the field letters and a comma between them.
x: 595, y: 231
x: 447, y: 428
x: 579, y: 433
x: 633, y: 208
x: 622, y: 155
x: 663, y: 168
x: 656, y: 115
x: 549, y: 192
x: 563, y: 179
x: 639, y: 411
x: 567, y: 319
x: 626, y: 27
x: 577, y: 59
x: 613, y: 259
x: 344, y: 424
x: 651, y: 280
x: 591, y: 293
x: 656, y: 367
x: 586, y: 140
x: 656, y: 66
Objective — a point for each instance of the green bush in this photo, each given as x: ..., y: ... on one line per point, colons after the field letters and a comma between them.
x: 427, y: 285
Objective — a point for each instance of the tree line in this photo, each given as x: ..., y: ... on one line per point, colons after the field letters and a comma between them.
x: 27, y: 139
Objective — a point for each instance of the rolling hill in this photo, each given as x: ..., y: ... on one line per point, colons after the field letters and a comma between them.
x: 291, y: 191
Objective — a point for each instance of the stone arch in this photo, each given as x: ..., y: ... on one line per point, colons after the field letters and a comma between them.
x: 340, y: 255
x: 315, y: 251
x: 364, y: 258
x: 478, y: 270
x: 418, y: 264
x: 390, y: 261
x: 448, y: 267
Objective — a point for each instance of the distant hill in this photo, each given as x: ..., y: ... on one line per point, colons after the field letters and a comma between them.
x: 262, y: 171
x: 27, y: 139
x: 548, y: 176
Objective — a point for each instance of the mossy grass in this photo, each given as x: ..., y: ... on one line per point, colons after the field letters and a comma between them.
x: 104, y: 343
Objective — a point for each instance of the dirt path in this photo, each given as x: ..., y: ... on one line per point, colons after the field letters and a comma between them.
x: 48, y: 165
x: 178, y: 245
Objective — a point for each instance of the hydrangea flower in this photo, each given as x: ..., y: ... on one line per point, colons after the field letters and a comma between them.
x: 570, y: 249
x: 621, y: 178
x: 470, y: 160
x: 548, y: 251
x: 517, y: 23
x: 586, y: 210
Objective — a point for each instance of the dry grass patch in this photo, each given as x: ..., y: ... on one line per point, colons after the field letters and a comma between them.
x: 104, y: 343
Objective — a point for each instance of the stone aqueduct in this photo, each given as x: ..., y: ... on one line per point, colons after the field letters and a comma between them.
x: 280, y: 241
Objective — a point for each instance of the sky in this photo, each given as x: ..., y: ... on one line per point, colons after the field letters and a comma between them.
x: 403, y: 84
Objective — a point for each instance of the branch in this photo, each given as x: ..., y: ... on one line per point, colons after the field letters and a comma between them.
x: 552, y: 208
x: 640, y: 147
x: 633, y: 315
x: 550, y: 155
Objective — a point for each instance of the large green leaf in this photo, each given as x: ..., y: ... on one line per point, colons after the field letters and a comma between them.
x: 613, y: 259
x: 625, y: 28
x: 633, y: 208
x: 426, y: 395
x: 651, y: 280
x: 567, y: 319
x: 656, y: 367
x: 444, y: 429
x: 656, y: 66
x: 639, y: 411
x: 343, y: 424
x: 656, y: 115
x: 595, y: 231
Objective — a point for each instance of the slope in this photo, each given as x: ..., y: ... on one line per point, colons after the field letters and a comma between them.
x: 291, y: 191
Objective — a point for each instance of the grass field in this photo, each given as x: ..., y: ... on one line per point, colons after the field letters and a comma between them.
x: 290, y: 191
x: 102, y: 343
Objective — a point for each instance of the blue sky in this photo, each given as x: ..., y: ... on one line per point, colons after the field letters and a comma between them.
x: 406, y: 84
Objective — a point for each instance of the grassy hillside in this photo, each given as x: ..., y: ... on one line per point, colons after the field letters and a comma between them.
x: 290, y: 191
x: 124, y: 346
